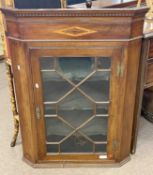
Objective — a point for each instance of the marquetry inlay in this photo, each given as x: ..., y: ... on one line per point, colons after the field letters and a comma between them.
x: 75, y: 31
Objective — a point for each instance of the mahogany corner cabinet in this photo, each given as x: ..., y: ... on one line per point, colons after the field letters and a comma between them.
x: 75, y: 73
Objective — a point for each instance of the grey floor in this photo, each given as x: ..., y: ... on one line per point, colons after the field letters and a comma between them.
x: 11, y: 158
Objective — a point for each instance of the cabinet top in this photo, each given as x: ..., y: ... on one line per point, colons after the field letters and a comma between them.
x: 112, y: 24
x: 96, y: 12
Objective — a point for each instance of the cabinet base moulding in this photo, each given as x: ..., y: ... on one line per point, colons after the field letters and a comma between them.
x: 103, y: 164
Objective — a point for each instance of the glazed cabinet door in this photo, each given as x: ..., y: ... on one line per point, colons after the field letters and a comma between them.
x: 77, y: 94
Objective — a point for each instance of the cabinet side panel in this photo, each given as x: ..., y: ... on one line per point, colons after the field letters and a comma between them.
x: 24, y: 95
x: 133, y: 54
x: 139, y: 92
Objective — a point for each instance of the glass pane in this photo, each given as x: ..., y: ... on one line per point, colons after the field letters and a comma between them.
x: 56, y: 130
x: 50, y: 109
x: 101, y: 148
x: 75, y: 108
x: 54, y: 86
x: 102, y: 109
x: 104, y: 63
x: 76, y: 68
x: 53, y: 148
x: 96, y: 129
x: 76, y: 143
x: 97, y: 86
x: 47, y: 63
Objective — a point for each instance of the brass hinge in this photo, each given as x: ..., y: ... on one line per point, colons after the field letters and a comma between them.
x: 38, y: 114
x: 120, y: 70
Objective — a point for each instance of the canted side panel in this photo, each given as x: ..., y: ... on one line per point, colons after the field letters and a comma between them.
x: 139, y: 93
x: 133, y: 55
x: 24, y: 98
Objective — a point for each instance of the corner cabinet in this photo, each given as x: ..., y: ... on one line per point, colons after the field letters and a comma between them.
x: 75, y: 78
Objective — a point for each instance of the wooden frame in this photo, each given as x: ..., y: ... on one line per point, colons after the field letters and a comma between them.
x: 116, y: 56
